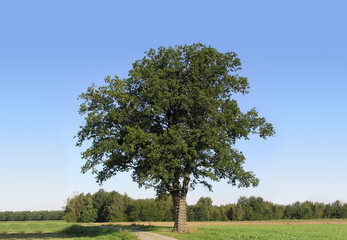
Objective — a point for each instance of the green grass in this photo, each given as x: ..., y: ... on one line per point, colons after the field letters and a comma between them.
x: 58, y: 230
x: 265, y: 232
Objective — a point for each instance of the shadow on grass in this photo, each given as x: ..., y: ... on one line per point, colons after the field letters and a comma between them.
x: 140, y: 227
x: 151, y: 228
x: 74, y: 231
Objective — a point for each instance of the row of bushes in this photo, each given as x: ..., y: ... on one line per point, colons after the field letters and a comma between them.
x: 112, y: 207
x: 31, y: 216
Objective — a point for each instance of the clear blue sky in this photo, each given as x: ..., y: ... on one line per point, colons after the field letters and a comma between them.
x: 294, y: 55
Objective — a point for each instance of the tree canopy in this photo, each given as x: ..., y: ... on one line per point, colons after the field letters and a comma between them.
x: 173, y: 121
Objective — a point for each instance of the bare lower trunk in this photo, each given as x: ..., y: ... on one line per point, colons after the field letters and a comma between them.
x: 180, y: 213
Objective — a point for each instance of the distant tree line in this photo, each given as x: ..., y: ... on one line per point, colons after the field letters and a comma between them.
x: 255, y: 209
x: 105, y: 206
x: 31, y: 215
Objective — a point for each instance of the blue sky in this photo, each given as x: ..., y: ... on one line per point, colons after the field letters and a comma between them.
x: 294, y: 54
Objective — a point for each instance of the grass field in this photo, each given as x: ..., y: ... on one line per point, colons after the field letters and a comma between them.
x: 266, y: 230
x: 58, y: 230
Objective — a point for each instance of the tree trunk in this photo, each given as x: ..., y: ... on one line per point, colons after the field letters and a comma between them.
x: 180, y: 212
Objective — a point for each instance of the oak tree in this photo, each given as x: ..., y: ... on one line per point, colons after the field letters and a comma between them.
x: 173, y: 122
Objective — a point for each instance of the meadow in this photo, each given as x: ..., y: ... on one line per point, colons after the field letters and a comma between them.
x: 58, y: 230
x: 266, y: 230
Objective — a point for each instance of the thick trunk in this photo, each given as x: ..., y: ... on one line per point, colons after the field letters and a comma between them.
x: 180, y: 213
x: 179, y: 202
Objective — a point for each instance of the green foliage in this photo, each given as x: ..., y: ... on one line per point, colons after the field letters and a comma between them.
x: 101, y: 201
x: 117, y: 206
x: 114, y: 207
x: 173, y: 121
x: 239, y: 212
x: 203, y: 210
x: 216, y: 214
x: 80, y: 209
x: 224, y: 209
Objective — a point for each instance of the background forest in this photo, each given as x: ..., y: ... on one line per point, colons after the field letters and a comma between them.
x: 105, y: 206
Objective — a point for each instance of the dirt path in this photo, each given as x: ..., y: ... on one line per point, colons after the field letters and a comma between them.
x: 144, y: 235
x: 152, y: 236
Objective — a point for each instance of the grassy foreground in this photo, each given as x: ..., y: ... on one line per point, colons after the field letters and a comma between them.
x: 261, y: 232
x: 58, y: 230
x: 266, y: 232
